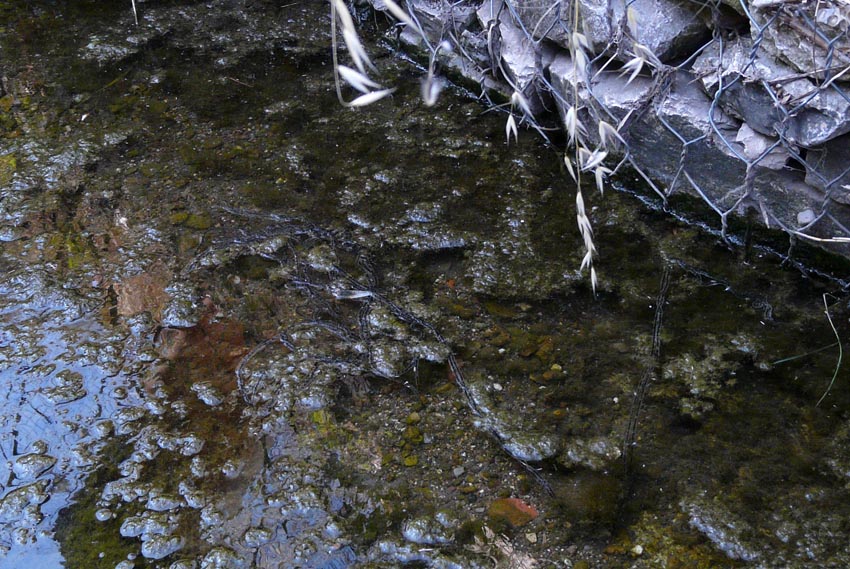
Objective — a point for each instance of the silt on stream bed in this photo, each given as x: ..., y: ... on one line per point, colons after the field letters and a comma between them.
x: 230, y: 305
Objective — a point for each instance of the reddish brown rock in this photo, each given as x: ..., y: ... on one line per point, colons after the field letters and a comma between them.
x: 144, y: 292
x: 512, y: 511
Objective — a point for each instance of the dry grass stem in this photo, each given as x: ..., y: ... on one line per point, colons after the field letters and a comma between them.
x: 840, y: 352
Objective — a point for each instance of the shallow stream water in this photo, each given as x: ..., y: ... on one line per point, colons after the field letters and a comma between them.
x: 243, y: 326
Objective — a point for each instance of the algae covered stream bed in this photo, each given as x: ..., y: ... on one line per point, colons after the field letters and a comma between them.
x: 243, y: 326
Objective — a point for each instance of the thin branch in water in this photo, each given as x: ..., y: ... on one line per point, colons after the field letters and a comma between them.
x: 800, y: 356
x: 840, y: 352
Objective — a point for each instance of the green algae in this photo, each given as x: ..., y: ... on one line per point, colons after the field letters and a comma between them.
x: 89, y: 541
x: 75, y: 251
x: 179, y: 217
x: 198, y: 221
x: 660, y: 543
x: 8, y: 166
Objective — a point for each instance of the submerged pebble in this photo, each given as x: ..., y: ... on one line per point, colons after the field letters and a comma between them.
x: 427, y: 531
x: 147, y: 524
x: 30, y: 466
x: 159, y: 546
x: 222, y: 558
x: 722, y: 529
x: 207, y: 393
x: 13, y: 506
x: 190, y: 445
x: 163, y: 502
x: 126, y: 420
x: 255, y: 537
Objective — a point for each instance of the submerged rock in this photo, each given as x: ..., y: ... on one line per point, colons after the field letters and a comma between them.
x: 222, y: 558
x: 595, y: 454
x: 15, y: 504
x: 161, y: 546
x: 180, y: 311
x: 722, y: 528
x: 30, y: 466
x: 428, y: 531
x: 513, y: 511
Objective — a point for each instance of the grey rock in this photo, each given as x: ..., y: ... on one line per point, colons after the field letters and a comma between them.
x: 436, y: 17
x: 520, y: 58
x: 668, y: 28
x: 805, y: 36
x: 770, y: 96
x: 785, y: 195
x: 714, y: 164
x: 570, y: 84
x: 518, y: 53
x: 765, y: 151
x: 655, y: 138
x: 828, y: 168
x: 735, y: 5
x: 805, y: 217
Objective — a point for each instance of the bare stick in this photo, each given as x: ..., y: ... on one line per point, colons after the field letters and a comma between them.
x: 840, y: 353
